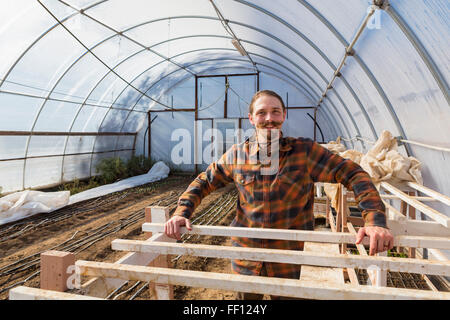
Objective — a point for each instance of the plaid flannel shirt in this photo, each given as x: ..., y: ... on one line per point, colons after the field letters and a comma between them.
x: 283, y: 200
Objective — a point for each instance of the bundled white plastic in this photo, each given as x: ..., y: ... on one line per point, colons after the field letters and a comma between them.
x: 159, y: 171
x: 382, y: 162
x: 26, y: 203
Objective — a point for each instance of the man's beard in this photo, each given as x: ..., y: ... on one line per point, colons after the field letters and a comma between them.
x: 265, y: 134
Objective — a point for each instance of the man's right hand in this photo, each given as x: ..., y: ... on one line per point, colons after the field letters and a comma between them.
x: 173, y: 226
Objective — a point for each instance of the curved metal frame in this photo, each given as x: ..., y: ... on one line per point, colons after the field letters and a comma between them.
x: 400, y: 22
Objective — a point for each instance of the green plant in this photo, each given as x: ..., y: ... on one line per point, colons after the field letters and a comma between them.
x: 138, y: 165
x: 111, y: 170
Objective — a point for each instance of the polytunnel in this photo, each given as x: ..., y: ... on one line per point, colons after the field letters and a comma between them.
x: 82, y: 81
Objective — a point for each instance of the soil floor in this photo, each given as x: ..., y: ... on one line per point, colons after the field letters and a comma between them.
x: 88, y: 228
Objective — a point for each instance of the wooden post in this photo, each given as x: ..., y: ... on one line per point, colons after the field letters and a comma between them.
x: 328, y: 210
x: 412, y: 216
x: 54, y: 267
x: 339, y: 208
x: 161, y: 291
x: 344, y: 211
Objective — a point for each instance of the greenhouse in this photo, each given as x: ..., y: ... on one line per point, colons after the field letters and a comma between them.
x: 112, y: 111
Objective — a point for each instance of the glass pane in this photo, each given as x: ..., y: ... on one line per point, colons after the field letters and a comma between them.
x: 80, y: 144
x: 162, y: 145
x: 114, y: 121
x: 13, y: 15
x: 12, y: 146
x: 299, y: 124
x: 211, y: 97
x: 11, y: 175
x: 42, y: 172
x: 45, y: 62
x: 125, y: 142
x: 240, y: 94
x: 76, y: 167
x: 135, y: 121
x: 105, y: 143
x: 46, y: 145
x: 89, y: 119
x: 120, y: 16
x: 56, y: 116
x: 17, y: 112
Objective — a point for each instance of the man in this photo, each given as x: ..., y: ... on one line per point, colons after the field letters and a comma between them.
x: 280, y: 194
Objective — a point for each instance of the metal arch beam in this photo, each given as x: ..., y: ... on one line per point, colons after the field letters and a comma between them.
x: 194, y: 17
x: 423, y: 53
x: 340, y: 118
x: 116, y: 32
x: 245, y: 61
x: 292, y: 28
x: 352, y: 120
x: 331, y: 124
x: 189, y: 17
x: 43, y: 35
x: 66, y: 19
x: 99, y: 3
x: 364, y: 68
x: 198, y: 50
x: 341, y: 39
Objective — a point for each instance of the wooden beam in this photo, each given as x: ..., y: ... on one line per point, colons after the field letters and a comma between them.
x: 322, y: 274
x: 430, y: 212
x: 28, y: 293
x: 253, y: 284
x: 100, y: 287
x: 434, y: 194
x: 301, y: 235
x: 286, y: 256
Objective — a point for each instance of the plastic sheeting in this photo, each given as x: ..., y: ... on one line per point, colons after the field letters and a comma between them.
x: 24, y: 204
x: 159, y: 171
x: 382, y: 162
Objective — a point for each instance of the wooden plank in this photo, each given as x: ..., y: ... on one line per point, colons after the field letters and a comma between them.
x: 434, y: 194
x: 322, y: 274
x: 302, y: 235
x: 430, y: 212
x: 253, y: 284
x: 99, y: 287
x: 352, y: 276
x: 362, y: 251
x: 28, y: 293
x: 287, y: 256
x: 418, y: 228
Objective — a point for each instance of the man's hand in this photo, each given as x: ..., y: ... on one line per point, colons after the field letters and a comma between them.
x: 173, y: 226
x: 381, y: 239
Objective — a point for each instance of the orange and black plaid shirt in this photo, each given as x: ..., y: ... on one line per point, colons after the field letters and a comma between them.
x: 283, y: 200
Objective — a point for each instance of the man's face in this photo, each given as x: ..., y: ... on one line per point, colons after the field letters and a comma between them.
x: 267, y: 113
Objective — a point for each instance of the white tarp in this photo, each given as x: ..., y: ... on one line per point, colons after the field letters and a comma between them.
x: 26, y: 203
x: 382, y: 162
x: 157, y: 172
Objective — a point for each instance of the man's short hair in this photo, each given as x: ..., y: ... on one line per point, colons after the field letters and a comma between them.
x: 267, y: 93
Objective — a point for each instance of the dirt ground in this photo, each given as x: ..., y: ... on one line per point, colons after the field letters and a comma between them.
x: 88, y: 228
x: 46, y: 236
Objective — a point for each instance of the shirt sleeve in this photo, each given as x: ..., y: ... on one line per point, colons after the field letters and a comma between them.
x: 217, y: 175
x: 325, y: 166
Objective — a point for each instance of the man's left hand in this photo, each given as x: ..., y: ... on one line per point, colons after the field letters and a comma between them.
x: 381, y: 239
